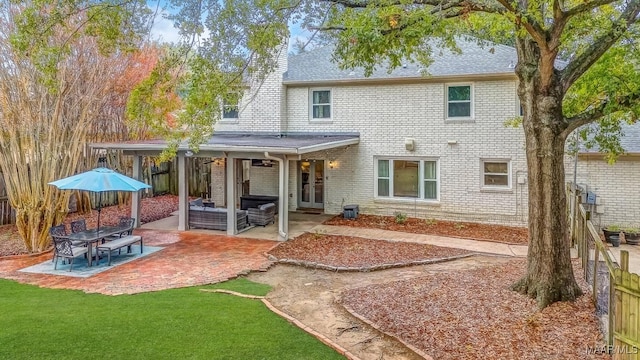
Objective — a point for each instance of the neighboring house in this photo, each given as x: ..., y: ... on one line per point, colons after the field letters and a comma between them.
x: 428, y: 146
x: 615, y: 185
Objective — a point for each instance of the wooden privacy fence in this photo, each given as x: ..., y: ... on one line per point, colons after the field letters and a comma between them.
x: 7, y: 215
x: 163, y: 177
x: 616, y: 291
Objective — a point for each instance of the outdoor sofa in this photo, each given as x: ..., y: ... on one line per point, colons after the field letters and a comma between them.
x: 254, y: 201
x: 201, y: 217
x: 262, y: 215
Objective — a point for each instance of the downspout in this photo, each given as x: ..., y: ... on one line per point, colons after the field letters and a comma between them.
x: 282, y: 194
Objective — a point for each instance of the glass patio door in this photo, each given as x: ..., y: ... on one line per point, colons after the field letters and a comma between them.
x: 311, y: 184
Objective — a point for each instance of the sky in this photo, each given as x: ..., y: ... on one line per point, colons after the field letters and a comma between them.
x: 164, y: 31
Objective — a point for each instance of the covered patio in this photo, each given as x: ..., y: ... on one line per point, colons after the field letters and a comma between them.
x: 299, y: 223
x: 277, y: 148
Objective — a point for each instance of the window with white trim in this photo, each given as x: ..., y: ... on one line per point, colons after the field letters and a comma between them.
x: 407, y: 178
x: 459, y: 101
x: 496, y: 174
x: 519, y: 108
x: 320, y: 104
x: 230, y: 109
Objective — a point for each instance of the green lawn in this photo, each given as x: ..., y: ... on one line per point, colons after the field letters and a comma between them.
x: 37, y: 323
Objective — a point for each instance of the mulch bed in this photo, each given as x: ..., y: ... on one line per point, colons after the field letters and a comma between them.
x: 472, y: 314
x: 468, y: 230
x: 352, y: 252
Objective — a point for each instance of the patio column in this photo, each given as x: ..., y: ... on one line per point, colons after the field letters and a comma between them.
x: 284, y: 211
x: 136, y: 196
x: 231, y: 196
x: 283, y: 194
x: 183, y: 194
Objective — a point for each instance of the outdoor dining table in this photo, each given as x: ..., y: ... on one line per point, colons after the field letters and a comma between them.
x: 91, y: 236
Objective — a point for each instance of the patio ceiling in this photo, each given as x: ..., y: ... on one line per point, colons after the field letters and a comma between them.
x: 245, y: 142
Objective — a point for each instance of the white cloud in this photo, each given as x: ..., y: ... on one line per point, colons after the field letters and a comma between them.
x: 163, y: 30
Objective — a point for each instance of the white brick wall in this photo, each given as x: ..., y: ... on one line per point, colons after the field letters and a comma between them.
x: 218, y: 183
x: 264, y: 180
x: 616, y: 185
x: 385, y: 115
x: 261, y: 108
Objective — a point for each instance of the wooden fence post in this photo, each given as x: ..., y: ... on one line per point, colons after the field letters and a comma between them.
x: 624, y: 260
x: 596, y: 259
x: 612, y: 308
x: 585, y: 243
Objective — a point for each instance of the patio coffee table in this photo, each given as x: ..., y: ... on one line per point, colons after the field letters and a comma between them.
x: 93, y: 236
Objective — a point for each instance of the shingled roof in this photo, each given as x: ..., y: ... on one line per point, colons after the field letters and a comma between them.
x: 488, y: 59
x: 630, y: 140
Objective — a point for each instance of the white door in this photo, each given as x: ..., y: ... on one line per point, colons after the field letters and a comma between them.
x: 311, y: 184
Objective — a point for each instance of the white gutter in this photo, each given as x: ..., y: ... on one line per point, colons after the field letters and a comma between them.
x: 329, y: 145
x: 401, y: 79
x: 230, y: 148
x: 282, y: 194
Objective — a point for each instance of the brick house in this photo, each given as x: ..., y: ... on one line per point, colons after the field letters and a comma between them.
x: 319, y: 137
x: 615, y: 185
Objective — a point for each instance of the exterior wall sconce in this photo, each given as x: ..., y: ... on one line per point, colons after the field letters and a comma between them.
x: 332, y: 163
x: 188, y: 153
x: 102, y: 161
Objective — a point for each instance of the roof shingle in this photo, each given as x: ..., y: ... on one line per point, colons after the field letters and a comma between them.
x: 489, y: 59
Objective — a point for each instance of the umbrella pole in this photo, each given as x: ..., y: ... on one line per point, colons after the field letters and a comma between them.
x: 99, y: 208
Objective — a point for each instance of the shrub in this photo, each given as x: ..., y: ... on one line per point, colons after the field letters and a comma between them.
x: 430, y: 221
x: 401, y: 218
x: 459, y: 226
x: 613, y: 227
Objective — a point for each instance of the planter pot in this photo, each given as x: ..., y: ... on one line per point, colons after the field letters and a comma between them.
x: 632, y: 238
x: 615, y: 240
x: 608, y: 234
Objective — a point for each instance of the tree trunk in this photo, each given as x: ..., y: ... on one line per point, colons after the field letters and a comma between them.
x: 549, y: 276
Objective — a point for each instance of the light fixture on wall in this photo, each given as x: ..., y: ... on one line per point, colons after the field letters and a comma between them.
x: 188, y: 153
x: 332, y: 163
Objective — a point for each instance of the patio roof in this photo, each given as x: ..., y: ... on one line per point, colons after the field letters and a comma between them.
x: 280, y: 143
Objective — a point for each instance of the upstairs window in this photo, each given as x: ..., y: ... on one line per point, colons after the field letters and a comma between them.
x: 230, y: 109
x: 459, y: 101
x: 321, y: 104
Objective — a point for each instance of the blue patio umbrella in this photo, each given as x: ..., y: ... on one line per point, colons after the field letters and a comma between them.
x: 100, y: 180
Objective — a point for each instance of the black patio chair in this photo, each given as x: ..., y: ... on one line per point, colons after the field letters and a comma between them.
x: 58, y: 230
x: 63, y: 248
x: 78, y: 226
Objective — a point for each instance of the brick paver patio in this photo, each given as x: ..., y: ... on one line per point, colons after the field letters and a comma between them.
x: 188, y: 259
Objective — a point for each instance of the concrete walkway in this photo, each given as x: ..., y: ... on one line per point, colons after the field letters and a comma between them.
x: 466, y: 244
x: 300, y: 223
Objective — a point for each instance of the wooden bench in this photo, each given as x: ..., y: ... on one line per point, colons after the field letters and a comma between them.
x: 119, y: 243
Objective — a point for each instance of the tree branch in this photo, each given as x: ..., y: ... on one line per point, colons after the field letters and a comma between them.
x: 599, y: 46
x: 594, y: 113
x: 537, y: 32
x: 586, y: 7
x: 438, y: 5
